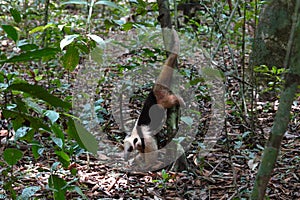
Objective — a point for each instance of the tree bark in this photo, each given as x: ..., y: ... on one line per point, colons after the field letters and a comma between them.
x: 272, y: 35
x: 164, y: 14
x: 292, y: 81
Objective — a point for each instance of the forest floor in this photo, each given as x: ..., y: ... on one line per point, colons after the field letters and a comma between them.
x: 227, y: 172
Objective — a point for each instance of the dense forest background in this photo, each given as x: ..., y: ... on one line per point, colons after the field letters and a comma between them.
x: 49, y: 124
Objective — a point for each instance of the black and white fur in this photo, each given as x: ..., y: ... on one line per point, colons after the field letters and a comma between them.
x: 142, y: 137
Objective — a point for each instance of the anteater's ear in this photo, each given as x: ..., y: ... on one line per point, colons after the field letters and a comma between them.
x: 130, y: 144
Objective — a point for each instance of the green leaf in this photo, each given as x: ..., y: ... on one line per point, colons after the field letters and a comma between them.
x: 164, y: 175
x: 28, y: 47
x: 40, y: 93
x: 55, y: 166
x: 63, y: 158
x: 58, y: 142
x: 97, y: 39
x: 109, y: 4
x: 67, y: 40
x: 127, y: 26
x: 12, y: 156
x: 21, y: 105
x: 37, y: 29
x: 11, y: 32
x: 16, y: 15
x: 83, y: 48
x: 83, y: 137
x: 78, y: 2
x: 97, y: 54
x: 52, y: 115
x: 29, y: 192
x: 28, y: 137
x: 79, y: 191
x: 35, y: 123
x: 71, y: 58
x: 37, y: 108
x: 41, y: 28
x: 21, y: 132
x: 32, y: 55
x: 58, y: 132
x: 187, y: 120
x: 87, y: 138
x: 142, y: 3
x: 58, y: 185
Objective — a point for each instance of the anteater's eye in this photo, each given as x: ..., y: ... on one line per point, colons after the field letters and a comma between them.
x: 130, y: 149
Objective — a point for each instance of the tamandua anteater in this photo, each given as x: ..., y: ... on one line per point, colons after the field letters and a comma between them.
x: 142, y: 137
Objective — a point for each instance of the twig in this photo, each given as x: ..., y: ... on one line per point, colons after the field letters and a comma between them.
x: 223, y: 32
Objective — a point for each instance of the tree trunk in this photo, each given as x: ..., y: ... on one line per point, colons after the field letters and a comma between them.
x: 272, y: 36
x: 292, y: 80
x: 164, y: 14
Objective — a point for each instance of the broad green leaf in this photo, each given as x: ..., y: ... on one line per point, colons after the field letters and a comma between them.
x: 97, y: 54
x: 71, y: 58
x: 79, y: 191
x: 142, y: 3
x: 58, y: 142
x: 55, y: 166
x: 37, y: 29
x: 119, y: 22
x: 21, y: 105
x: 187, y: 120
x: 11, y: 32
x: 37, y: 108
x: 164, y: 175
x: 32, y: 55
x: 38, y: 78
x: 21, y: 132
x: 40, y: 93
x: 28, y: 192
x: 78, y: 2
x: 35, y: 123
x: 83, y: 137
x: 63, y: 158
x: 83, y: 48
x: 58, y: 185
x: 87, y: 138
x: 28, y: 47
x: 72, y: 132
x: 29, y: 135
x: 16, y: 15
x: 97, y: 39
x: 58, y: 132
x: 67, y: 40
x: 52, y: 115
x: 127, y: 26
x: 108, y: 3
x: 12, y: 156
x: 41, y: 28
